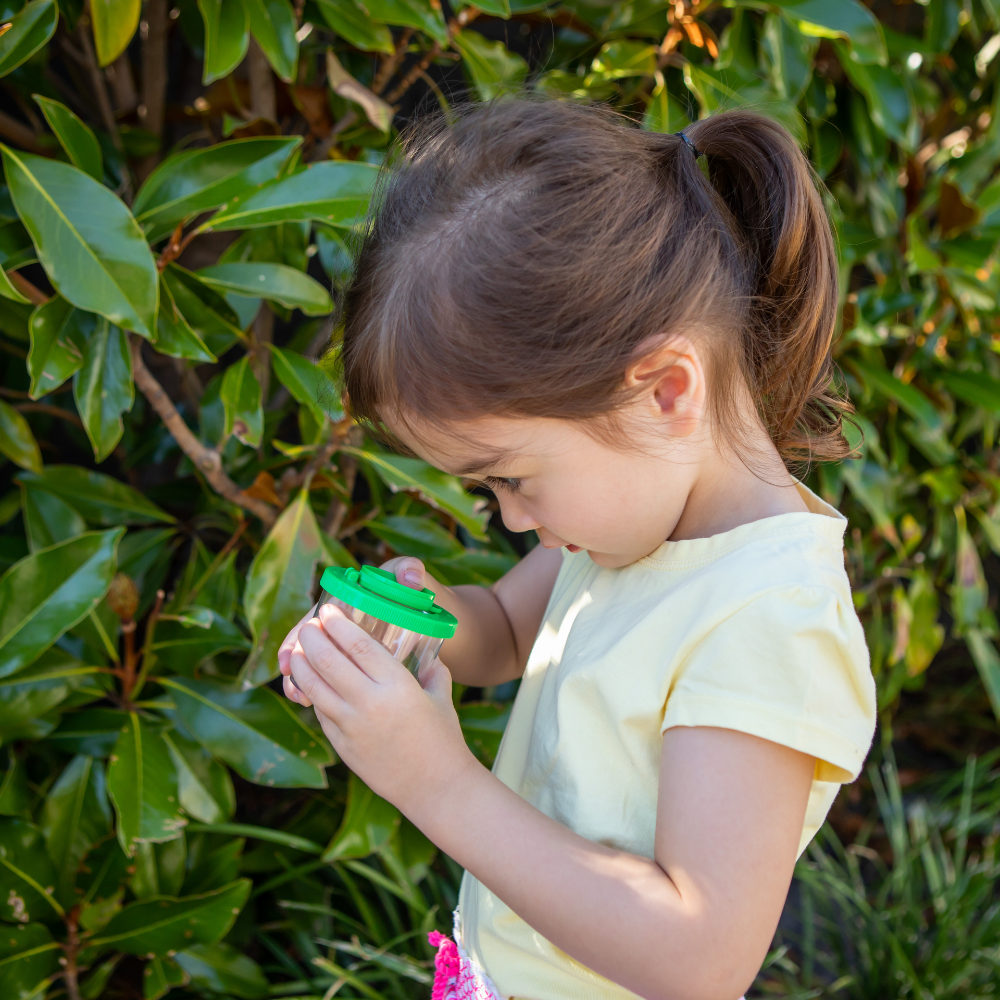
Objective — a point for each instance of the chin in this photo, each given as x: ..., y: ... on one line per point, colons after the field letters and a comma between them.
x: 611, y: 560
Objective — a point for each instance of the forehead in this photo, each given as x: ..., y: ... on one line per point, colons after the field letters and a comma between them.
x: 490, y: 443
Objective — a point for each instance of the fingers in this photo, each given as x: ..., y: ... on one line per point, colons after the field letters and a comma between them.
x: 435, y: 679
x: 343, y: 654
x: 309, y: 688
x: 357, y: 647
x: 285, y: 649
x: 409, y: 571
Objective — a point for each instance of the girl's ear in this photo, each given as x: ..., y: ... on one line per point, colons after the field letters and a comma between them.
x: 671, y: 379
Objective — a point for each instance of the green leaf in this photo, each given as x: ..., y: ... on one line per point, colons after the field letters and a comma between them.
x: 160, y: 976
x: 8, y: 291
x: 48, y: 519
x: 29, y: 31
x: 240, y: 395
x: 909, y: 398
x: 158, y: 926
x: 27, y: 876
x: 16, y: 440
x: 984, y: 655
x: 279, y: 586
x: 272, y: 23
x: 28, y: 956
x: 16, y: 248
x: 621, y: 59
x: 48, y: 592
x: 32, y: 693
x: 336, y: 192
x: 174, y: 334
x: 354, y: 25
x: 15, y: 795
x: 498, y: 8
x: 75, y: 816
x: 412, y: 13
x: 791, y: 55
x: 278, y: 282
x: 182, y: 648
x: 368, y: 825
x: 114, y: 23
x: 142, y: 780
x: 206, y: 790
x: 226, y: 37
x: 842, y: 19
x: 198, y: 180
x: 889, y: 99
x: 96, y: 982
x: 204, y: 309
x: 307, y: 382
x: 99, y: 498
x: 491, y: 66
x: 220, y: 968
x: 59, y: 333
x: 94, y: 731
x: 80, y: 143
x: 255, y: 731
x: 437, y: 488
x: 87, y: 240
x: 976, y: 388
x: 416, y: 536
x: 103, y: 387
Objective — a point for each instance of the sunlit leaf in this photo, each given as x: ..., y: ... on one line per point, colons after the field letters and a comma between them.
x: 103, y: 387
x: 226, y: 36
x: 368, y: 825
x: 492, y: 67
x: 80, y: 143
x: 30, y: 29
x: 59, y: 333
x: 279, y: 282
x: 272, y: 23
x: 352, y: 23
x: 241, y: 399
x: 114, y: 23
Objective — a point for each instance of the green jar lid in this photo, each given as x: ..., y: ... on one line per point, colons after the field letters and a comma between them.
x: 377, y: 592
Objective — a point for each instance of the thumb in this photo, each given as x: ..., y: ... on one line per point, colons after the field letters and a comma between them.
x: 411, y: 573
x: 436, y: 681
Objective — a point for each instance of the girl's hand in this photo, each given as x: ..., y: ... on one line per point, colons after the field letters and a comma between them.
x: 409, y: 571
x: 401, y: 736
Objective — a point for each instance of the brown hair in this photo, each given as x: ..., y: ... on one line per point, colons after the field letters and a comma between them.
x: 517, y: 257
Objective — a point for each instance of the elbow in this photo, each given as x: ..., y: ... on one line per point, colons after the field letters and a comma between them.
x: 718, y: 972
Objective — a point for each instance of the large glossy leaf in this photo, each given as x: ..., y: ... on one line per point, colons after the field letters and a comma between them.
x: 15, y: 795
x: 413, y: 13
x: 28, y: 697
x: 174, y: 334
x: 437, y: 488
x: 272, y: 23
x: 16, y: 439
x: 283, y: 284
x: 226, y: 36
x: 90, y: 246
x: 493, y: 68
x: 28, y: 956
x: 94, y: 731
x: 29, y: 31
x: 27, y: 876
x: 975, y: 388
x: 307, y: 382
x: 890, y: 101
x: 103, y: 387
x: 76, y: 815
x: 846, y: 19
x: 220, y: 968
x: 279, y: 585
x: 48, y: 519
x: 255, y: 731
x: 142, y: 780
x: 48, y: 592
x: 160, y: 976
x: 114, y: 23
x: 206, y: 789
x: 356, y: 26
x: 204, y: 309
x: 101, y: 499
x: 368, y: 824
x: 240, y: 395
x: 80, y: 143
x: 181, y: 647
x: 155, y: 927
x: 416, y: 536
x: 59, y: 333
x: 336, y: 192
x: 198, y: 180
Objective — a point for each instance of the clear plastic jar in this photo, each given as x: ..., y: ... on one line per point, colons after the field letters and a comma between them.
x: 405, y: 621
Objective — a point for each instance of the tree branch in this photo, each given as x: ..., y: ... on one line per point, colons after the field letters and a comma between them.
x: 206, y: 460
x: 154, y: 73
x: 263, y: 100
x: 52, y: 411
x: 15, y: 131
x: 390, y: 63
x: 27, y: 289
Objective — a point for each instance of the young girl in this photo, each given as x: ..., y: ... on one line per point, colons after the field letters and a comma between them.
x: 627, y: 350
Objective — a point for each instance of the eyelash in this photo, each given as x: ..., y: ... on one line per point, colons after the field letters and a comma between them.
x: 502, y: 485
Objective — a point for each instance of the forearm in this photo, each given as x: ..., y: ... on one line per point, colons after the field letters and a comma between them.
x: 617, y: 913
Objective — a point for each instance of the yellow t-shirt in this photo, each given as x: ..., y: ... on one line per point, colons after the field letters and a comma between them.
x: 753, y: 630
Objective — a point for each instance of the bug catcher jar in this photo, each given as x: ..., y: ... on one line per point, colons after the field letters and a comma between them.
x: 406, y: 621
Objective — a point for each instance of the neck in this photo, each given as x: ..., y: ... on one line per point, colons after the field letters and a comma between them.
x: 725, y: 493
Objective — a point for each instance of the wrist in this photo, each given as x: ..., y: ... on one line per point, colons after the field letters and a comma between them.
x: 448, y: 783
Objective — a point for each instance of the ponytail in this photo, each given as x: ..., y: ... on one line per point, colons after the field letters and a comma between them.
x: 770, y: 191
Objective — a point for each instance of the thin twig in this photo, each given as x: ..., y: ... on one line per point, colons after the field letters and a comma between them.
x: 147, y: 645
x: 333, y: 519
x: 390, y: 63
x: 337, y: 436
x: 15, y: 131
x: 27, y: 289
x: 52, y: 411
x: 175, y: 247
x: 217, y: 561
x: 154, y: 72
x: 414, y: 74
x: 207, y: 461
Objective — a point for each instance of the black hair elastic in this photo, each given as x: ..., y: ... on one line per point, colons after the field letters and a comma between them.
x: 694, y: 149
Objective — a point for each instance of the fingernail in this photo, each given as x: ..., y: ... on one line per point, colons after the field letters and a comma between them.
x: 412, y: 578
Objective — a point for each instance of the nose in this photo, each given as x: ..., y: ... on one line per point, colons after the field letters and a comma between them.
x: 515, y: 516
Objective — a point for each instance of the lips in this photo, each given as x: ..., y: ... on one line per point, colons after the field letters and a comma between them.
x: 573, y: 548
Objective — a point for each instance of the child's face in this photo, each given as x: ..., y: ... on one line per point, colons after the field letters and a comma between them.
x: 574, y: 490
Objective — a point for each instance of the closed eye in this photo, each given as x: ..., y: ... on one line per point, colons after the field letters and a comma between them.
x: 502, y: 484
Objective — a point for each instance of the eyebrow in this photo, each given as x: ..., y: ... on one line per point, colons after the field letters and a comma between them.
x: 495, y: 461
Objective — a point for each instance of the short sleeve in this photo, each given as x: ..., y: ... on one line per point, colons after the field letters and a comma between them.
x: 790, y: 666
